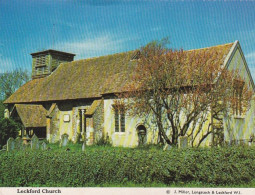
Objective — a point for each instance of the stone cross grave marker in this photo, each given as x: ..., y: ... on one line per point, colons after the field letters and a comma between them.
x: 43, y: 146
x: 64, y: 140
x: 35, y: 143
x: 18, y: 143
x: 10, y: 144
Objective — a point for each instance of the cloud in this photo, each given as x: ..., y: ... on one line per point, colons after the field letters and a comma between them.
x: 6, y: 64
x: 95, y: 46
x: 250, y: 57
x: 155, y: 29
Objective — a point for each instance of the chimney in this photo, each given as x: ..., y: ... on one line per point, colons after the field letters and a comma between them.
x: 45, y: 62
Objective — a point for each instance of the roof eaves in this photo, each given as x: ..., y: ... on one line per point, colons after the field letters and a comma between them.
x: 51, y: 109
x: 93, y: 107
x: 246, y: 65
x: 20, y: 115
x: 227, y: 59
x: 51, y: 51
x: 230, y: 54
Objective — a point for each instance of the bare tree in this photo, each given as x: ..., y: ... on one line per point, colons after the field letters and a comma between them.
x: 184, y: 90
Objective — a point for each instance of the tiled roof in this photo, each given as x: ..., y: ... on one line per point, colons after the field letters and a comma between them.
x: 89, y: 78
x: 31, y: 115
x: 93, y: 107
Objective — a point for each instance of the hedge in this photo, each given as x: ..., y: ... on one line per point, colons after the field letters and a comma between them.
x: 218, y: 166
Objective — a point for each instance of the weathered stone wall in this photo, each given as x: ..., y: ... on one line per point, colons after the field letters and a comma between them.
x: 76, y: 126
x: 53, y: 133
x: 98, y: 122
x: 65, y: 119
x: 57, y: 125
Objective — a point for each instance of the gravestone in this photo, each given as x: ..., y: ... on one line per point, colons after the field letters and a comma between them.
x: 5, y: 147
x: 64, y: 140
x: 25, y: 146
x: 43, y: 146
x: 10, y: 144
x: 18, y: 143
x: 83, y: 146
x: 183, y: 142
x: 6, y: 113
x: 251, y: 143
x: 35, y: 143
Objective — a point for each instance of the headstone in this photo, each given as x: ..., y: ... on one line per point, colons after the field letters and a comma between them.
x: 5, y: 147
x: 64, y: 140
x: 183, y: 142
x: 35, y: 143
x: 10, y: 144
x: 6, y: 113
x: 83, y: 146
x: 167, y: 147
x: 18, y: 143
x: 25, y: 146
x: 43, y: 146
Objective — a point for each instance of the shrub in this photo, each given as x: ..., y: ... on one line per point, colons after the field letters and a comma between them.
x: 103, y: 141
x: 8, y: 128
x: 2, y: 107
x: 216, y: 166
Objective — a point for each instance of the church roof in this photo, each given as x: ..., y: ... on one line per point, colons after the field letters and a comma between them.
x: 90, y: 78
x: 31, y: 115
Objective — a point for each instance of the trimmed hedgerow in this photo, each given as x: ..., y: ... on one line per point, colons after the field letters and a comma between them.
x: 217, y: 166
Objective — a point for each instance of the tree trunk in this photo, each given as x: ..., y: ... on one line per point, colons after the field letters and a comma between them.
x: 161, y: 130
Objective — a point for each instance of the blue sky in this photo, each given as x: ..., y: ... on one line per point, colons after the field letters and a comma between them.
x: 100, y: 27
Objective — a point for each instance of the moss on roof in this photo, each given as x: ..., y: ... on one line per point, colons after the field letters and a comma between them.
x: 89, y: 78
x: 93, y: 107
x: 31, y: 115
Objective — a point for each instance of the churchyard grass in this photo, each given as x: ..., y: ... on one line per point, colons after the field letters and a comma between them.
x: 149, y: 166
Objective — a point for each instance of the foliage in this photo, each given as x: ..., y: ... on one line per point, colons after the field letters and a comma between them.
x: 182, y: 89
x: 103, y: 141
x: 2, y: 108
x: 8, y: 128
x: 11, y: 81
x: 100, y: 166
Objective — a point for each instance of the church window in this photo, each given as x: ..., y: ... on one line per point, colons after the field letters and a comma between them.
x: 119, y: 116
x: 238, y: 89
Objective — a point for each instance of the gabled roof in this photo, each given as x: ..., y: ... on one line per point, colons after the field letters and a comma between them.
x: 49, y: 112
x: 31, y: 115
x: 80, y: 79
x: 93, y: 107
x: 89, y: 78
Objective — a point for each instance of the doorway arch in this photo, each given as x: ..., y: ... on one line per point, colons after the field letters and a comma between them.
x: 142, y: 134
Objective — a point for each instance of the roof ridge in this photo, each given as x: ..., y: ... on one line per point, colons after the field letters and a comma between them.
x: 210, y: 46
x: 96, y: 57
